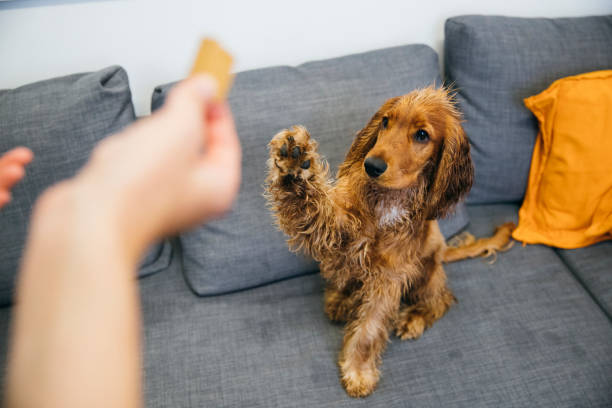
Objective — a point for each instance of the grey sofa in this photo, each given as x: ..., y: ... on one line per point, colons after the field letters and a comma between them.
x: 232, y: 318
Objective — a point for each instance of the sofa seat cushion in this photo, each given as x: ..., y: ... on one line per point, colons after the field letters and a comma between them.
x: 524, y: 333
x: 334, y: 99
x: 592, y: 266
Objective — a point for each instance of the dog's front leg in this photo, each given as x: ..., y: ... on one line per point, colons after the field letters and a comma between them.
x: 366, y: 336
x: 429, y: 303
x: 299, y: 191
x: 340, y: 304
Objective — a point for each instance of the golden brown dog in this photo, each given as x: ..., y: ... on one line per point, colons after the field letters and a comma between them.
x: 374, y: 229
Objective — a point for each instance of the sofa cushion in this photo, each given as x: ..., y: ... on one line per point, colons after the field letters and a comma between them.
x: 592, y: 266
x: 524, y: 333
x: 333, y: 99
x: 60, y: 120
x: 568, y: 201
x: 496, y: 62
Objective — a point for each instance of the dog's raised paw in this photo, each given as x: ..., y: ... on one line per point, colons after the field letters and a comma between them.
x: 292, y: 153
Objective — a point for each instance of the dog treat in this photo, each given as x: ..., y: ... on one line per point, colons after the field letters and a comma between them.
x: 216, y: 62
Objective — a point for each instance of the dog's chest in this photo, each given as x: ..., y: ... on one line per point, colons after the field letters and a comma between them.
x: 390, y: 215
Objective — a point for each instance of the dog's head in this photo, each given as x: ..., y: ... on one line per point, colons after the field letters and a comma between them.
x: 416, y: 138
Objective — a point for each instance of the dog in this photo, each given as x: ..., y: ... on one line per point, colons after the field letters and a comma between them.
x: 374, y: 230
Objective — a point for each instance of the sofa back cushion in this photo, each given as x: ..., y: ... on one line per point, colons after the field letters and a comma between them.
x: 496, y: 62
x: 333, y: 99
x: 568, y: 203
x: 60, y: 120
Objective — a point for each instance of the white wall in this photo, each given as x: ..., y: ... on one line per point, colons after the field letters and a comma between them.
x: 156, y: 40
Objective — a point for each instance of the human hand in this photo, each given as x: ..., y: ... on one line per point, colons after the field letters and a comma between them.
x: 12, y: 169
x: 179, y: 167
x: 76, y: 337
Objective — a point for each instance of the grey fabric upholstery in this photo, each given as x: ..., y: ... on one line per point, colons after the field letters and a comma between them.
x: 524, y: 333
x: 334, y: 99
x: 592, y: 266
x: 454, y: 222
x: 496, y: 62
x: 61, y: 120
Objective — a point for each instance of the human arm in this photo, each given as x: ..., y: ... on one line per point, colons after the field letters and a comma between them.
x: 76, y: 332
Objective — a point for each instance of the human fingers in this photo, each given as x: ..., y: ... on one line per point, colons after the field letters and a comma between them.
x: 10, y: 174
x: 218, y: 174
x: 190, y: 98
x: 222, y: 146
x: 5, y: 197
x: 18, y: 155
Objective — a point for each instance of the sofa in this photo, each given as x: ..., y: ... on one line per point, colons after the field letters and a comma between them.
x: 232, y: 318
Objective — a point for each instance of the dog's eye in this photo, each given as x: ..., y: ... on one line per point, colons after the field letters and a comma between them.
x: 421, y: 136
x: 385, y: 122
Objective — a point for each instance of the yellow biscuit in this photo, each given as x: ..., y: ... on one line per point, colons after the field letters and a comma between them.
x: 216, y: 62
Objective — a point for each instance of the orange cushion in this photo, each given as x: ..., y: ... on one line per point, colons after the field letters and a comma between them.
x: 568, y: 203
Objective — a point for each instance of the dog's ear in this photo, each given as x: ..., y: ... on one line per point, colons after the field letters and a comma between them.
x: 455, y: 172
x: 366, y: 138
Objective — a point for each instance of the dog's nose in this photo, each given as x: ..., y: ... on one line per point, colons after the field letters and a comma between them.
x: 375, y: 166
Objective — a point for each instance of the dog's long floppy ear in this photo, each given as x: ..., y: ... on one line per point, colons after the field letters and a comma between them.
x: 366, y: 138
x: 455, y: 172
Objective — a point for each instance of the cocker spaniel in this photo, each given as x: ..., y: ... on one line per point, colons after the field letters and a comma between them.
x: 374, y: 230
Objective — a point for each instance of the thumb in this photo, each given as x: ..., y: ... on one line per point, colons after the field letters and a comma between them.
x: 192, y: 96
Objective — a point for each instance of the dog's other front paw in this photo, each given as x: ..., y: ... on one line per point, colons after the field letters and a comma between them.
x: 293, y: 154
x: 338, y: 306
x: 361, y: 382
x: 409, y: 324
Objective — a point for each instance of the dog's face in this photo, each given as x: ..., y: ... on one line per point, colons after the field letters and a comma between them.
x: 413, y: 138
x: 410, y: 134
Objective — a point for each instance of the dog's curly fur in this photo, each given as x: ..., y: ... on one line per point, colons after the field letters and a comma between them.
x: 377, y: 238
